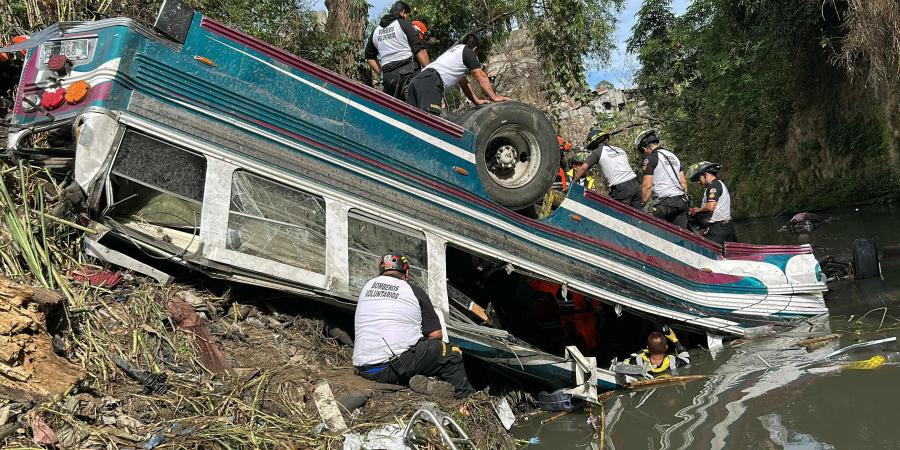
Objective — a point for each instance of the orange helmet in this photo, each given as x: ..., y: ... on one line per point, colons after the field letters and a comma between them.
x: 19, y: 40
x: 564, y: 145
x: 423, y: 30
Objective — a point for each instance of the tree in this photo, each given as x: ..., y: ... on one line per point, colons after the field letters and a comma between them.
x: 566, y: 32
x: 605, y: 84
x: 346, y: 27
x: 751, y: 84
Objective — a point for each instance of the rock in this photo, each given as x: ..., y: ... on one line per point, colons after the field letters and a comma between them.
x: 239, y: 312
x: 352, y: 400
x: 805, y: 216
x: 254, y: 322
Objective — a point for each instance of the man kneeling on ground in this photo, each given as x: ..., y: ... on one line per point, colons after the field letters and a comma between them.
x: 398, y: 334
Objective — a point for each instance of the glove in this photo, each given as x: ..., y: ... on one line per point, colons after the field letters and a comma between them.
x: 670, y: 334
x: 693, y: 212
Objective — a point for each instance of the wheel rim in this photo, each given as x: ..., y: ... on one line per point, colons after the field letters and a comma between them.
x: 512, y: 156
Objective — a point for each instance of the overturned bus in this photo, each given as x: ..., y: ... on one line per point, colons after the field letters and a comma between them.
x: 197, y: 144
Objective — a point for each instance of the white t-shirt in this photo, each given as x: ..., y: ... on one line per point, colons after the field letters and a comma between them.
x: 664, y: 166
x: 391, y: 316
x: 614, y: 164
x: 718, y: 193
x: 392, y: 43
x: 454, y: 64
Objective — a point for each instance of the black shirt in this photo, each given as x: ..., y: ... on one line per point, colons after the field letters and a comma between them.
x: 430, y: 320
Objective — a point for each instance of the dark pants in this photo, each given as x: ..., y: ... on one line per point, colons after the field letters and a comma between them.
x: 721, y: 232
x: 627, y: 192
x: 429, y: 357
x: 673, y: 210
x: 426, y: 90
x: 395, y: 78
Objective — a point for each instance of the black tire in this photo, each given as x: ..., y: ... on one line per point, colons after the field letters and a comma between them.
x: 865, y: 259
x: 516, y: 153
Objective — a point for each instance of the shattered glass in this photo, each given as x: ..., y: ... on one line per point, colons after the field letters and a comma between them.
x: 157, y: 163
x: 157, y: 183
x: 275, y: 222
x: 369, y: 241
x: 147, y: 204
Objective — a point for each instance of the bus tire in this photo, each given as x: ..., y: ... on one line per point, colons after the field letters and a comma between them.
x: 865, y: 259
x: 516, y: 153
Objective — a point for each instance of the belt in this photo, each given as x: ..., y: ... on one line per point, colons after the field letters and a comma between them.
x: 720, y: 222
x: 372, y: 369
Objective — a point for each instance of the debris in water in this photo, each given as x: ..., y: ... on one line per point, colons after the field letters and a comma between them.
x: 804, y: 223
x: 504, y: 413
x: 818, y: 342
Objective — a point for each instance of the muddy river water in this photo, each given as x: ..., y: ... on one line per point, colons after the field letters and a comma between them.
x: 765, y: 394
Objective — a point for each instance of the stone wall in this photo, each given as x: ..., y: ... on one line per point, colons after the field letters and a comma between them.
x: 517, y: 70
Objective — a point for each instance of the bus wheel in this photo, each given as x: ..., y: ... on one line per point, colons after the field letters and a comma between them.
x: 516, y: 152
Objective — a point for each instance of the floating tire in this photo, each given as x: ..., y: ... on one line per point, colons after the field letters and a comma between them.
x: 516, y: 153
x: 865, y: 259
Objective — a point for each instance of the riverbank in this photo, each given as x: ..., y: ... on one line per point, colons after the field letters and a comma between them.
x: 176, y: 366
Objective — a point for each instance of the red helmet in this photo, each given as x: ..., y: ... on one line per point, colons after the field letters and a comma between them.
x: 423, y: 30
x: 393, y: 261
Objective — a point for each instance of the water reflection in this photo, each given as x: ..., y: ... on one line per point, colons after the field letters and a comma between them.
x: 770, y: 393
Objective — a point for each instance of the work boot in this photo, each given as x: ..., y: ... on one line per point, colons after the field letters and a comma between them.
x: 431, y: 387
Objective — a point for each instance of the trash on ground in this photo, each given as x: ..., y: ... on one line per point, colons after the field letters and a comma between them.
x: 184, y: 316
x: 153, y: 383
x: 97, y: 277
x: 328, y: 408
x: 388, y: 437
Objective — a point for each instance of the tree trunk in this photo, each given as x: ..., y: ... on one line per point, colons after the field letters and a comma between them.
x: 346, y: 26
x: 29, y: 369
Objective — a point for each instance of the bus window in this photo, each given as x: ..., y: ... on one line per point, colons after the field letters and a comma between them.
x: 371, y: 238
x: 157, y: 183
x: 276, y: 222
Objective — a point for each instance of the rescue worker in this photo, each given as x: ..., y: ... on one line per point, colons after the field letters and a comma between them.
x: 398, y: 46
x: 426, y: 90
x: 655, y: 361
x: 622, y: 181
x: 565, y: 149
x: 587, y: 181
x: 398, y: 334
x: 716, y: 202
x: 664, y: 188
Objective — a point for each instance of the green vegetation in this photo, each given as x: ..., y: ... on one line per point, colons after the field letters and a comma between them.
x: 289, y: 24
x: 761, y: 86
